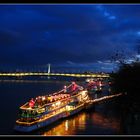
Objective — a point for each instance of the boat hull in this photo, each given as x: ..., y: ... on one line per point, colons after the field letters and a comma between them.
x: 78, y: 109
x: 47, y: 122
x: 39, y: 125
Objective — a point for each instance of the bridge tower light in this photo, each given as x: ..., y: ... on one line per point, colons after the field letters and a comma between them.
x: 49, y: 68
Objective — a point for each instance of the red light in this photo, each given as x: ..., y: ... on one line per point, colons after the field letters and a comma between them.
x: 31, y: 103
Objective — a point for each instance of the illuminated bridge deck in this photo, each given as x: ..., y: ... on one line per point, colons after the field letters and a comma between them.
x: 53, y: 74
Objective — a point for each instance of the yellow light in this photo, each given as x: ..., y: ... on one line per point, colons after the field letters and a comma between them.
x: 68, y: 108
x: 43, y: 98
x: 83, y: 92
x: 49, y: 98
x: 29, y: 108
x: 66, y: 125
x: 58, y: 103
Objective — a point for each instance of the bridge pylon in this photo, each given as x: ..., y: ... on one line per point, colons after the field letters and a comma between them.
x: 49, y: 70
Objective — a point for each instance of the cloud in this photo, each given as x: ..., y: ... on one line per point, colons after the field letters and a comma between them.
x: 79, y: 34
x: 9, y: 37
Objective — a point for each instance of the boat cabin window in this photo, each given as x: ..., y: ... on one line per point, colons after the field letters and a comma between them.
x: 27, y: 113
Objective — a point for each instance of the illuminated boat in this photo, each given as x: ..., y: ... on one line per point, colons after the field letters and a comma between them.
x: 94, y: 85
x: 44, y: 110
x: 89, y: 80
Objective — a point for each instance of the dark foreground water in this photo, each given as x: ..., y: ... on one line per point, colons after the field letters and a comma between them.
x: 102, y: 119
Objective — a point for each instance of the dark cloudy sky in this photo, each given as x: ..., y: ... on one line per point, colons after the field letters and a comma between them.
x: 81, y: 35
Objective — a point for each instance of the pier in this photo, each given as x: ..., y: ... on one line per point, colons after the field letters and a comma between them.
x: 101, y: 99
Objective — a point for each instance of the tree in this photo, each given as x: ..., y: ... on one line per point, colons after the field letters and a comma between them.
x: 127, y: 79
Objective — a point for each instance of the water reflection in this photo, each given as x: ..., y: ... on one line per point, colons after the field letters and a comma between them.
x: 69, y: 126
x: 106, y: 122
x: 85, y: 123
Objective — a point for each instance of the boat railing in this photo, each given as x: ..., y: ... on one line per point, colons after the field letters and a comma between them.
x: 74, y: 95
x: 48, y: 104
x: 26, y: 107
x: 68, y: 92
x: 62, y: 90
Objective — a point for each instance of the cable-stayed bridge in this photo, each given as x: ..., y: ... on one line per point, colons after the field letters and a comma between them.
x: 53, y: 74
x: 49, y: 73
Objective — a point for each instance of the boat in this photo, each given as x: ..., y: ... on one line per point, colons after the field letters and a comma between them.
x: 44, y: 110
x: 94, y: 85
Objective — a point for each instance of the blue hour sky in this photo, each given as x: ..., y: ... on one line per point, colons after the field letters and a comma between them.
x: 84, y: 35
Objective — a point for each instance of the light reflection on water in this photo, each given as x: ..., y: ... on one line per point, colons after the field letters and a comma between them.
x: 68, y: 126
x: 85, y: 123
x: 108, y: 123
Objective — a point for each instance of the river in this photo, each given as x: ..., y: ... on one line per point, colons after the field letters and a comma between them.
x: 101, y: 119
